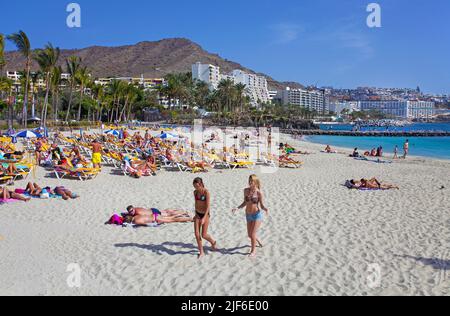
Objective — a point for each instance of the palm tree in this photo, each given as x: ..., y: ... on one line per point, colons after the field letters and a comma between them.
x: 227, y: 93
x: 6, y: 86
x: 47, y: 60
x: 83, y: 79
x: 55, y: 86
x: 240, y: 90
x: 2, y: 53
x: 22, y: 43
x: 116, y: 89
x: 131, y: 94
x: 35, y: 89
x: 73, y: 65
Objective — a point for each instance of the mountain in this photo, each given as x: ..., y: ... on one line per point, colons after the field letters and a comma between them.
x: 152, y: 59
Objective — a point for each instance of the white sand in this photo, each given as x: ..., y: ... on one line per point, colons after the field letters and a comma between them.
x: 320, y: 237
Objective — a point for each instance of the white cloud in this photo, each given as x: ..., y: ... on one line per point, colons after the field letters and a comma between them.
x: 286, y: 33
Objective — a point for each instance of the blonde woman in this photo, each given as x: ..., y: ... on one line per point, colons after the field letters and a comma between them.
x: 254, y: 203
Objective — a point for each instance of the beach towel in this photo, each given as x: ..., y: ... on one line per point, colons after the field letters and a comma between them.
x: 2, y: 201
x: 153, y: 225
x: 351, y: 186
x: 50, y: 196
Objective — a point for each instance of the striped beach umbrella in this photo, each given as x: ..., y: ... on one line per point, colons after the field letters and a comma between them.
x: 168, y: 136
x: 27, y: 134
x: 113, y: 132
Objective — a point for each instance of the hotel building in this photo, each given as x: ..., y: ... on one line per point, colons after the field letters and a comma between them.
x: 311, y: 99
x: 256, y: 86
x: 401, y: 109
x: 207, y: 73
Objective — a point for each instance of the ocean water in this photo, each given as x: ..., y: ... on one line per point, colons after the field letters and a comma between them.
x: 434, y: 147
x: 438, y: 127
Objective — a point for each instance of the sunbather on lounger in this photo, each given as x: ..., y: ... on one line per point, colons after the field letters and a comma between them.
x: 10, y: 170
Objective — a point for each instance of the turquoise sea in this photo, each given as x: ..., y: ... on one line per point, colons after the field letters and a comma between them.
x: 435, y: 147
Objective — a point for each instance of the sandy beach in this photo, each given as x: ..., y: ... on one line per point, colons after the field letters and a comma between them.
x: 319, y: 238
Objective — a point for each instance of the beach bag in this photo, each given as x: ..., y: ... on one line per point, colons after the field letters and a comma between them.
x: 116, y: 220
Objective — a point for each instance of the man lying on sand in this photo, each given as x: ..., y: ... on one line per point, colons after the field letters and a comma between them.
x: 142, y: 216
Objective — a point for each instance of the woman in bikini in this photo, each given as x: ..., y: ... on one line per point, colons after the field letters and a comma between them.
x: 376, y: 184
x: 373, y: 183
x: 7, y: 195
x: 202, y: 216
x: 254, y: 203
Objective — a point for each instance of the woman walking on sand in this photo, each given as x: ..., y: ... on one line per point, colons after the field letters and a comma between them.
x: 254, y: 203
x: 202, y: 216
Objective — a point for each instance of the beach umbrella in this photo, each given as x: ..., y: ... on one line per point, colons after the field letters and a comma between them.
x: 28, y: 134
x: 168, y: 136
x: 113, y: 132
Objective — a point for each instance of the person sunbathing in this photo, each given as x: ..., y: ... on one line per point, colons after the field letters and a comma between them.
x: 202, y: 165
x: 33, y: 189
x: 146, y: 219
x: 330, y: 150
x: 11, y: 170
x: 140, y: 211
x: 355, y: 153
x: 287, y: 159
x: 147, y: 166
x: 66, y: 194
x: 8, y: 195
x: 131, y: 168
x: 373, y: 183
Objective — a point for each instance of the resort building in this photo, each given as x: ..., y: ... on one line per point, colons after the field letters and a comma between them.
x: 338, y: 107
x: 256, y: 86
x: 146, y: 83
x: 207, y: 73
x: 312, y: 99
x: 15, y: 76
x: 401, y: 109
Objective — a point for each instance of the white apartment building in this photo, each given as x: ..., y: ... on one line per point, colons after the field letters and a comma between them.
x: 273, y: 95
x: 256, y: 86
x: 15, y: 77
x: 207, y: 73
x: 339, y: 106
x: 313, y: 100
x: 146, y: 83
x: 401, y: 109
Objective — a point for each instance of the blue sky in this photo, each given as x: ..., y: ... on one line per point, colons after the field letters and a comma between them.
x: 317, y: 42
